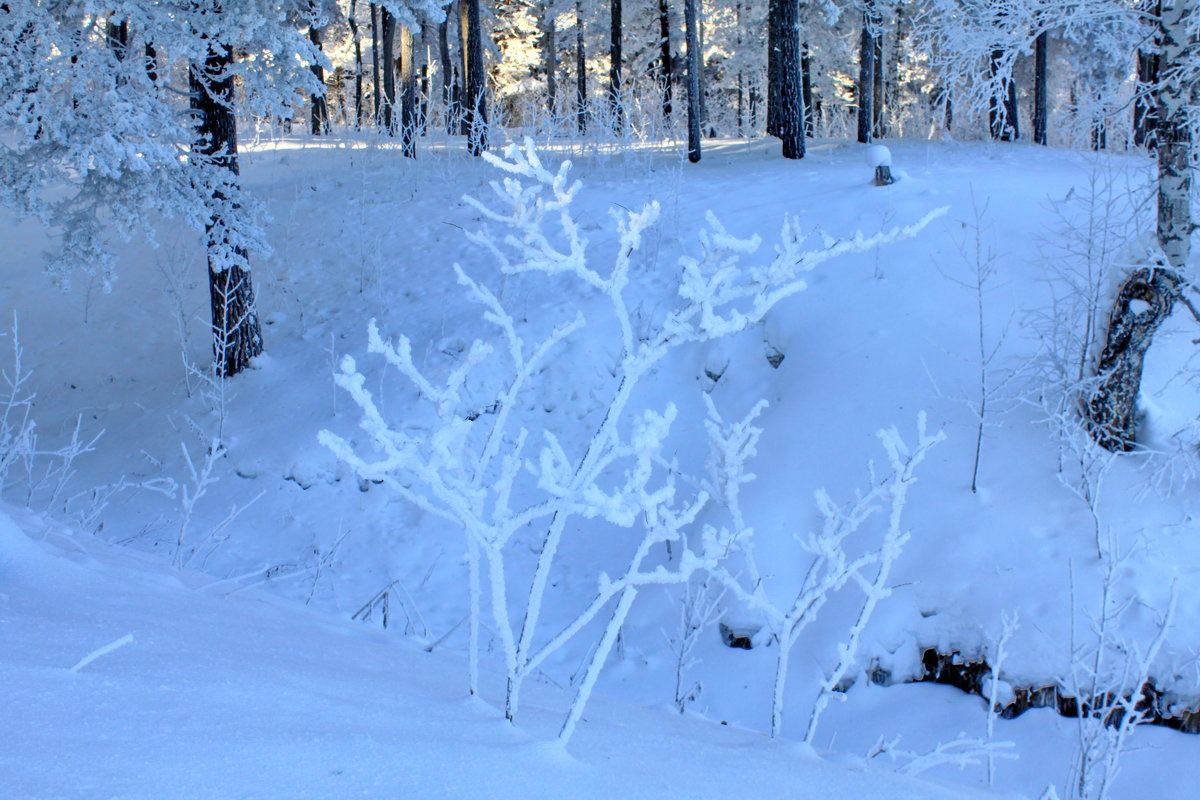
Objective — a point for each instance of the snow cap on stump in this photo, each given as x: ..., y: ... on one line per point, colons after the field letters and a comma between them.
x: 878, y: 156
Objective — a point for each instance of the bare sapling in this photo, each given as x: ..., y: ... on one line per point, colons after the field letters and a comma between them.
x: 479, y: 469
x: 1111, y: 678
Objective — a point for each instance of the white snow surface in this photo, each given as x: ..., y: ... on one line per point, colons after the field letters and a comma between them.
x: 245, y: 675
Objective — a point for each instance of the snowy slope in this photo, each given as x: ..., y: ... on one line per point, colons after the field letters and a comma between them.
x: 360, y: 232
x: 246, y: 696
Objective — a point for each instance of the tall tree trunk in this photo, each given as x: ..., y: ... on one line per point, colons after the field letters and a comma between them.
x: 1145, y: 103
x: 318, y: 108
x: 449, y: 75
x: 376, y: 89
x: 784, y: 21
x: 692, y: 30
x: 464, y: 53
x: 1040, y: 96
x: 387, y: 63
x: 878, y: 126
x: 774, y: 79
x: 615, y: 87
x: 866, y: 76
x: 580, y: 71
x: 358, y: 66
x: 408, y: 96
x: 550, y: 60
x: 1003, y: 121
x: 806, y: 91
x: 477, y: 111
x: 1174, y: 133
x: 664, y: 54
x: 237, y: 336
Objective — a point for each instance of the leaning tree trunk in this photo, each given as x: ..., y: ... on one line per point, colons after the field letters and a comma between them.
x: 691, y: 24
x: 1147, y: 297
x: 1144, y: 301
x: 237, y: 336
x: 866, y: 77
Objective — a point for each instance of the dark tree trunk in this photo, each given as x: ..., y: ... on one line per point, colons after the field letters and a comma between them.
x: 151, y: 56
x: 376, y: 88
x: 476, y: 100
x: 878, y: 126
x: 866, y: 77
x: 774, y: 79
x: 616, y: 104
x: 358, y: 66
x: 237, y: 336
x: 118, y: 38
x: 449, y: 82
x: 789, y: 116
x: 464, y: 121
x: 319, y: 109
x: 1040, y: 97
x: 1145, y: 102
x: 1003, y: 121
x: 550, y: 61
x: 691, y: 27
x: 387, y: 63
x: 806, y: 89
x: 408, y: 96
x: 664, y: 55
x: 580, y: 71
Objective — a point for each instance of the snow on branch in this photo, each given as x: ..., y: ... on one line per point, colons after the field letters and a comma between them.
x: 495, y: 473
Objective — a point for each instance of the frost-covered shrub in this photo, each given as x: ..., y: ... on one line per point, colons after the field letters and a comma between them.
x: 496, y: 466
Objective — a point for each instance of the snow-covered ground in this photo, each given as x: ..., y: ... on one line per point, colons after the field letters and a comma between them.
x: 229, y: 689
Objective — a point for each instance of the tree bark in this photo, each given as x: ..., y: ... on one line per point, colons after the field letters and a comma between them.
x: 866, y: 77
x: 476, y: 99
x: 1148, y: 295
x: 691, y: 25
x: 237, y: 336
x: 1144, y: 301
x: 1174, y: 134
x: 318, y: 108
x: 615, y: 87
x: 878, y: 109
x: 550, y: 60
x: 450, y: 89
x: 806, y: 90
x: 1003, y: 122
x: 1040, y: 98
x: 358, y: 66
x: 664, y: 55
x: 580, y: 71
x: 375, y: 93
x: 789, y: 119
x: 408, y: 96
x: 1145, y: 103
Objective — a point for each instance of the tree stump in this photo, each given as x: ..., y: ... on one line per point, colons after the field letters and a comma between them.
x: 1143, y: 302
